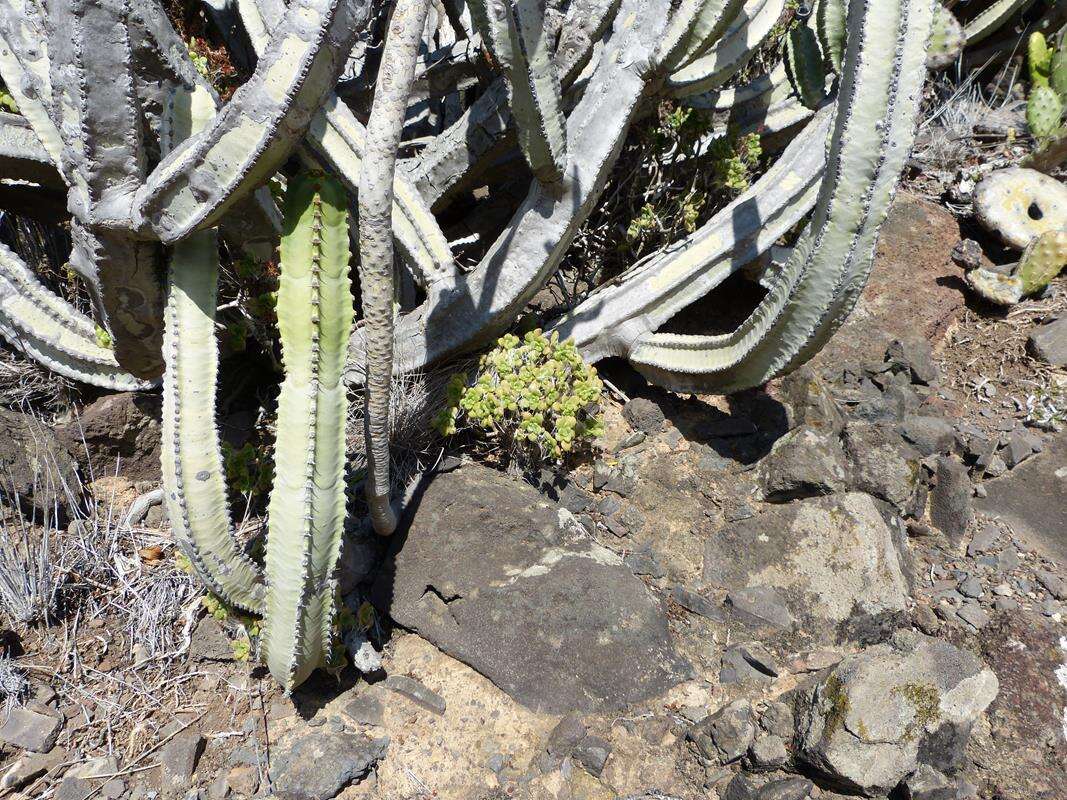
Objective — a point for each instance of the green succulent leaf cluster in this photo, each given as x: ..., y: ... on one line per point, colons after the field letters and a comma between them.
x: 734, y: 159
x: 534, y: 395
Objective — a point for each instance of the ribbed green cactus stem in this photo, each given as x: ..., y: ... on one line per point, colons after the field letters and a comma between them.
x: 515, y: 32
x: 1038, y: 60
x: 830, y: 27
x: 50, y: 330
x: 193, y: 473
x: 804, y: 64
x: 695, y: 26
x: 376, y: 275
x: 307, y: 503
x: 740, y: 42
x: 1044, y: 259
x: 1044, y: 113
x: 993, y: 18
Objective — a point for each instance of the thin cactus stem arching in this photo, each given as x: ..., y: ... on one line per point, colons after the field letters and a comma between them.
x: 376, y: 244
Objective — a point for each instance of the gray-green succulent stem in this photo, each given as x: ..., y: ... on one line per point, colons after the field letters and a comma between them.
x: 514, y: 31
x: 22, y: 156
x: 376, y: 275
x: 467, y: 310
x: 100, y: 126
x: 53, y: 332
x: 458, y: 155
x: 732, y: 52
x: 307, y: 503
x: 992, y: 19
x: 694, y: 27
x: 619, y: 313
x: 805, y: 66
x: 259, y: 127
x: 830, y: 27
x: 194, y: 478
x: 878, y: 101
x: 338, y: 139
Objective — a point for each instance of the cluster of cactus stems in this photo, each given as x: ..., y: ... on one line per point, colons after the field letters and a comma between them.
x: 117, y: 130
x: 1048, y: 87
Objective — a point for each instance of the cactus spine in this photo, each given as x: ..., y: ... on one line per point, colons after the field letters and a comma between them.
x: 307, y: 503
x: 1042, y: 261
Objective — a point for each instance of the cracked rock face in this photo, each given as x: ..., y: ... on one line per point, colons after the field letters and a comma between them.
x: 882, y: 712
x: 506, y: 582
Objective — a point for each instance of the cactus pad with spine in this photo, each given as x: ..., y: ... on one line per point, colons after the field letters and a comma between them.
x: 1044, y: 259
x: 1044, y: 113
x: 946, y: 40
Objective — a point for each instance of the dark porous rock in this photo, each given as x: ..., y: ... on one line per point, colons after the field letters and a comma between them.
x: 926, y: 783
x: 810, y: 401
x: 727, y: 734
x: 913, y: 355
x: 929, y: 435
x: 803, y: 463
x: 829, y: 561
x: 795, y: 788
x: 118, y: 432
x: 644, y: 562
x: 880, y: 713
x: 746, y: 662
x: 951, y: 503
x: 1021, y: 445
x: 209, y: 642
x: 1049, y: 342
x: 567, y: 734
x: 882, y: 464
x: 644, y: 415
x: 416, y: 692
x: 968, y: 254
x: 501, y: 579
x: 178, y: 760
x: 741, y: 787
x: 316, y: 764
x: 592, y: 752
x: 766, y: 753
x: 697, y: 604
x: 777, y: 719
x: 38, y: 469
x: 73, y: 787
x: 1054, y: 584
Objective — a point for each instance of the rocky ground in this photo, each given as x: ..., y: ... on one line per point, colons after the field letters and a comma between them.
x: 852, y: 583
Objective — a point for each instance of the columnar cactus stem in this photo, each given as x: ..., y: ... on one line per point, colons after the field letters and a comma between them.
x: 53, y: 332
x: 376, y: 243
x: 733, y: 51
x: 307, y: 504
x: 514, y: 31
x: 990, y: 21
x: 193, y: 472
x: 619, y: 313
x: 694, y: 27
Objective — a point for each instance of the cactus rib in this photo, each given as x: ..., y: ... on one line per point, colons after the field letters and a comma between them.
x: 695, y: 26
x: 337, y: 138
x: 514, y: 31
x: 307, y: 503
x: 877, y: 107
x: 376, y: 245
x: 193, y: 472
x: 257, y: 129
x: 804, y: 64
x: 735, y: 49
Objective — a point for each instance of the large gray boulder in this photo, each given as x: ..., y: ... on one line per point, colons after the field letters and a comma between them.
x: 880, y: 713
x: 835, y: 562
x: 501, y: 579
